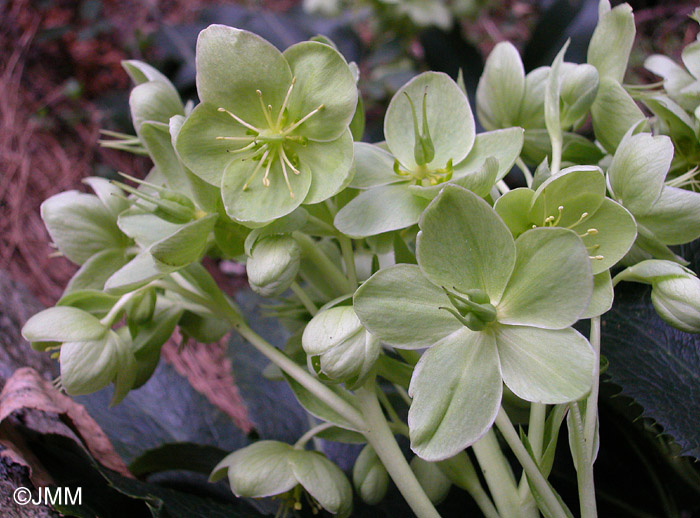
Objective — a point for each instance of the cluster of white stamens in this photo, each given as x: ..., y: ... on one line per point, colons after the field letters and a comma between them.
x: 266, y: 146
x: 553, y: 221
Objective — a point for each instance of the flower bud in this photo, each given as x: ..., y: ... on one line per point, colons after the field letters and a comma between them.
x: 578, y: 90
x: 141, y: 307
x: 370, y: 476
x: 273, y: 265
x: 677, y: 301
x: 338, y: 345
x: 433, y: 481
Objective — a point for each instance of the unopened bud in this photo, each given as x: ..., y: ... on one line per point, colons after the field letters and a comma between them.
x: 677, y: 301
x: 433, y: 481
x: 370, y: 476
x: 273, y: 265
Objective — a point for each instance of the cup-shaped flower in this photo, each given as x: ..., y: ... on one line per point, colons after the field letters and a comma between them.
x: 665, y: 215
x: 271, y: 468
x: 491, y: 309
x: 430, y: 140
x: 273, y: 265
x: 272, y: 128
x: 339, y: 347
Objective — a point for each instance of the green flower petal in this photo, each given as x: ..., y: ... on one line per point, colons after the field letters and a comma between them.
x: 504, y: 145
x: 616, y: 232
x: 144, y: 227
x: 513, y: 207
x: 141, y: 270
x: 400, y: 306
x: 614, y: 112
x: 602, y: 298
x: 675, y: 218
x: 323, y: 480
x: 322, y: 78
x: 233, y: 64
x: 545, y: 365
x: 154, y: 101
x: 260, y: 204
x: 373, y: 167
x: 198, y: 146
x: 638, y: 169
x: 501, y: 88
x: 456, y: 389
x: 87, y: 367
x: 551, y: 284
x: 382, y: 209
x: 578, y: 190
x: 330, y: 164
x: 450, y: 120
x: 464, y: 244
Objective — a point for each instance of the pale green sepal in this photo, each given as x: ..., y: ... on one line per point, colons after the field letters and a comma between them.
x: 501, y: 88
x: 63, y: 324
x: 187, y: 244
x: 145, y: 227
x: 616, y: 233
x: 141, y: 270
x: 552, y: 102
x: 675, y: 217
x: 259, y: 470
x: 95, y: 271
x: 464, y: 244
x: 545, y: 365
x: 531, y: 114
x: 369, y: 476
x: 579, y: 87
x: 156, y: 137
x: 89, y: 366
x: 449, y: 115
x: 258, y: 203
x: 317, y: 408
x: 232, y: 64
x: 323, y: 480
x: 154, y: 101
x: 198, y: 146
x: 322, y: 78
x: 677, y: 301
x: 433, y: 481
x: 513, y: 208
x: 95, y: 302
x: 401, y: 307
x: 611, y: 43
x: 602, y: 297
x: 638, y: 169
x: 381, y: 209
x: 504, y: 145
x: 373, y: 167
x: 654, y: 270
x: 80, y: 225
x: 675, y: 78
x: 331, y: 166
x: 127, y: 366
x: 456, y: 389
x: 613, y: 112
x: 109, y: 194
x: 141, y: 72
x: 273, y: 265
x: 691, y: 58
x: 551, y: 284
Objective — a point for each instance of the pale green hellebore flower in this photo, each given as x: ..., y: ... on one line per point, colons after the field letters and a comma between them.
x: 491, y: 309
x: 272, y: 128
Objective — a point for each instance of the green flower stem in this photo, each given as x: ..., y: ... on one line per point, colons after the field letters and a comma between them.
x: 525, y: 169
x: 591, y: 419
x: 502, y: 187
x: 556, y: 153
x: 302, y: 376
x: 304, y: 298
x: 330, y: 271
x: 380, y: 436
x: 348, y: 259
x: 498, y: 475
x: 535, y: 435
x: 402, y: 392
x: 584, y: 466
x: 299, y: 445
x: 388, y: 407
x: 461, y: 472
x: 111, y: 317
x: 533, y: 472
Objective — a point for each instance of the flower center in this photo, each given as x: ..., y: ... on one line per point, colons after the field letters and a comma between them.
x: 474, y: 311
x: 273, y: 143
x: 553, y: 221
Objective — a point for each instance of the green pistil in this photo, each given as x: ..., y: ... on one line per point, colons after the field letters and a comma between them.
x: 424, y: 176
x: 423, y: 151
x: 271, y: 145
x: 474, y: 312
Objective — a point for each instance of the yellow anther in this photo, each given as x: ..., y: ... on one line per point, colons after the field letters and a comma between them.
x: 596, y: 257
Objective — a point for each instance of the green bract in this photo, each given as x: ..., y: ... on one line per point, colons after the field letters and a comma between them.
x: 272, y: 128
x: 268, y: 468
x: 491, y: 309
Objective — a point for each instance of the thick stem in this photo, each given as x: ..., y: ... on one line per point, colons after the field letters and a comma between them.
x: 311, y: 433
x: 460, y: 470
x: 584, y: 467
x: 526, y: 171
x: 379, y: 435
x: 533, y: 472
x: 535, y: 435
x: 556, y: 155
x: 330, y: 271
x: 348, y: 259
x: 499, y: 477
x: 304, y: 298
x: 302, y: 376
x: 591, y: 419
